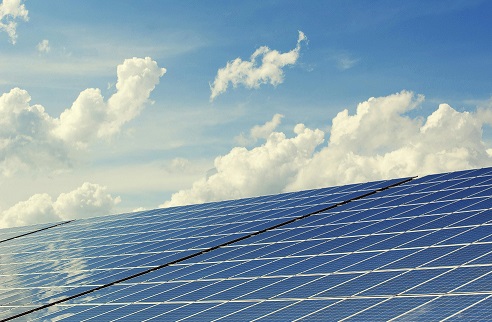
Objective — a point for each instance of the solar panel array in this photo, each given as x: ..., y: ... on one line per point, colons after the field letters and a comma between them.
x: 404, y: 249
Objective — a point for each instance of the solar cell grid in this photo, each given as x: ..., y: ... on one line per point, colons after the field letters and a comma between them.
x: 405, y: 252
x: 256, y: 311
x: 484, y: 259
x: 296, y: 310
x: 449, y: 280
x: 388, y: 309
x: 341, y: 310
x: 482, y: 191
x: 441, y: 307
x: 435, y: 237
x: 470, y: 234
x: 105, y: 244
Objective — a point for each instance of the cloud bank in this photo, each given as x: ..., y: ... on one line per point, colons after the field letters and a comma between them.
x: 32, y: 139
x: 88, y: 200
x: 252, y: 75
x: 378, y: 142
x: 10, y: 11
x: 263, y: 169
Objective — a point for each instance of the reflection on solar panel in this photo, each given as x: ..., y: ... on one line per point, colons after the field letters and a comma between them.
x: 404, y: 249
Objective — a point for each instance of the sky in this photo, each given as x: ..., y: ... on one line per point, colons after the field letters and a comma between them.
x: 118, y: 106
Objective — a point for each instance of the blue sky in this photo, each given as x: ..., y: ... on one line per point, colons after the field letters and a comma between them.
x: 355, y: 50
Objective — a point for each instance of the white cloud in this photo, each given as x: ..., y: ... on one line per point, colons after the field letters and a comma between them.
x: 345, y: 62
x: 180, y: 165
x: 26, y: 140
x: 379, y: 141
x: 261, y: 170
x: 32, y: 139
x: 263, y: 131
x: 10, y: 10
x: 90, y: 116
x: 249, y: 74
x: 260, y: 131
x: 88, y: 200
x: 44, y: 46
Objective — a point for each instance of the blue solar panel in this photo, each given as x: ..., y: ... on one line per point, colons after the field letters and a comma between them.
x: 98, y: 251
x: 399, y: 249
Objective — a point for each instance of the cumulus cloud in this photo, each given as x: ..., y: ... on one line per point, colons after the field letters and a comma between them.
x: 32, y: 139
x: 378, y: 141
x: 90, y: 116
x: 88, y: 200
x: 26, y: 139
x: 260, y: 131
x: 263, y: 131
x: 250, y: 74
x: 10, y: 11
x: 261, y: 170
x: 44, y: 46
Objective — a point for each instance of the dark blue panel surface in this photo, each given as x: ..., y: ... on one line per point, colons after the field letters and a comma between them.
x: 444, y: 307
x: 390, y: 308
x: 297, y: 310
x: 342, y: 309
x: 419, y: 250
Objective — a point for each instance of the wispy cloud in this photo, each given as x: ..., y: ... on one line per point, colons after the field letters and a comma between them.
x: 250, y: 74
x: 87, y: 51
x: 345, y: 61
x: 44, y: 46
x: 10, y: 11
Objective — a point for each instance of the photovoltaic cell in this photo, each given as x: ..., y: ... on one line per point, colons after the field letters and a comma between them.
x: 420, y: 249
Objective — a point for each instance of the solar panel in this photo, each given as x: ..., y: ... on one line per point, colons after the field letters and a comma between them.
x: 71, y: 259
x: 400, y: 249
